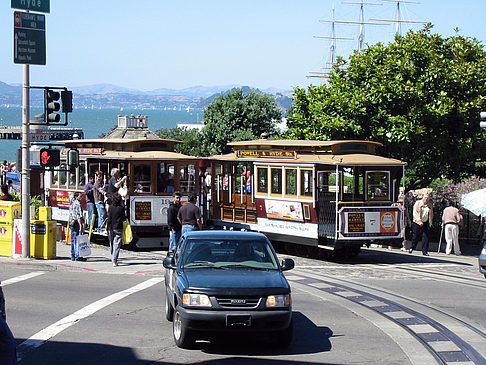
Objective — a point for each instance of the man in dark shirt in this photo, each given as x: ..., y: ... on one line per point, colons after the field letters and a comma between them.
x: 172, y: 221
x: 190, y: 215
x: 5, y: 194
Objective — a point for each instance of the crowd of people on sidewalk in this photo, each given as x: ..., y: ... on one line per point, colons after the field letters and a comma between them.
x: 104, y: 201
x: 107, y: 203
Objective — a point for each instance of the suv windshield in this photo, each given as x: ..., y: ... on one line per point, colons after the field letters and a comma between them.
x: 256, y: 254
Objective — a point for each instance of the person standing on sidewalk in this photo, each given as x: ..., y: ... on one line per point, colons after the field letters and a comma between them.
x: 451, y: 221
x: 90, y: 203
x: 422, y: 220
x: 172, y: 221
x: 114, y: 225
x: 189, y: 215
x: 99, y: 198
x: 76, y: 224
x: 8, y: 355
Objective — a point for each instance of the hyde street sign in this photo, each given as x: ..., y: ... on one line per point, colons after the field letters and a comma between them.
x: 42, y: 6
x: 29, y: 38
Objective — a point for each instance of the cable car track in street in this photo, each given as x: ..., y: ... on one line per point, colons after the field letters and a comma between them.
x: 446, y: 337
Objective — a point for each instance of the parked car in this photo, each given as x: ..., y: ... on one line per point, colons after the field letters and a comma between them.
x: 482, y: 260
x: 227, y: 282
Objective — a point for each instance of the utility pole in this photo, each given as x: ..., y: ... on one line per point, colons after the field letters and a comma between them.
x: 25, y: 186
x: 29, y: 28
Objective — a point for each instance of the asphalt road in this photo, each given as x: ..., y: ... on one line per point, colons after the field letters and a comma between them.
x: 381, y: 308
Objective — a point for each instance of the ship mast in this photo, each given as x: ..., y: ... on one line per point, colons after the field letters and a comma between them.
x: 333, y: 37
x: 397, y: 20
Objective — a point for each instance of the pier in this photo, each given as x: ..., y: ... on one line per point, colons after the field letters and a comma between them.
x: 41, y: 133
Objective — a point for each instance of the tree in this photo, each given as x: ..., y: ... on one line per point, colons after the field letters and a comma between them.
x: 236, y: 116
x: 190, y: 138
x: 420, y: 96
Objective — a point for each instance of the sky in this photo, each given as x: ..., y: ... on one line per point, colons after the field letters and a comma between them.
x: 152, y: 44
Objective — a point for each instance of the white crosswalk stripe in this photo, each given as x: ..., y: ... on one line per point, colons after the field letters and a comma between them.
x: 22, y: 278
x: 44, y: 335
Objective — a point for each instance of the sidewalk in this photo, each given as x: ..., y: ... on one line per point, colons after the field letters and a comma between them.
x: 129, y: 262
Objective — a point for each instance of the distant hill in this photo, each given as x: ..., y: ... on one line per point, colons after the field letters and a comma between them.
x: 113, y: 96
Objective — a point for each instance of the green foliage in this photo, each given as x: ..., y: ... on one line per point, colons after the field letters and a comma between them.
x: 35, y: 201
x: 190, y: 138
x: 420, y: 96
x: 236, y: 116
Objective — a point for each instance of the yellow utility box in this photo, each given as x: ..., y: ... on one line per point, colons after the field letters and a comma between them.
x: 6, y: 229
x: 9, y: 211
x: 43, y: 236
x: 45, y: 213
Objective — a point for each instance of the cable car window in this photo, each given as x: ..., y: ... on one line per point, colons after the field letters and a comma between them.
x: 276, y: 180
x: 165, y: 178
x: 82, y: 176
x: 291, y: 181
x: 262, y: 177
x: 188, y: 178
x: 326, y: 181
x: 378, y: 185
x: 141, y: 178
x: 305, y: 182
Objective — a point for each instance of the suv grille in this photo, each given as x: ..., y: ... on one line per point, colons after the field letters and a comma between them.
x: 238, y: 302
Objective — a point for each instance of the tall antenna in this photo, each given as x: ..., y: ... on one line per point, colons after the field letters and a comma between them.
x: 397, y: 20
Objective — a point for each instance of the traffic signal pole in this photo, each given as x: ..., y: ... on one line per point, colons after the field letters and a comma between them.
x: 25, y: 186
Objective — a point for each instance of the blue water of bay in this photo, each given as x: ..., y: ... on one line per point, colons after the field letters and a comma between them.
x: 94, y: 122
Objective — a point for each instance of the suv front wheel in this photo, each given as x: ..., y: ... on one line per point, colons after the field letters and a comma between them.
x: 182, y: 336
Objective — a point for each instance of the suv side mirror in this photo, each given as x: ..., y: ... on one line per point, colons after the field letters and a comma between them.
x: 169, y: 262
x: 287, y: 264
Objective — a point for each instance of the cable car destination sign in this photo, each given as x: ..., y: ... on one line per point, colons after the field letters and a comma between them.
x: 266, y: 153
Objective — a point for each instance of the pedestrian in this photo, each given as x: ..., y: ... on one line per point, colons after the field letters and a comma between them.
x: 406, y: 220
x: 189, y: 215
x: 4, y: 168
x: 99, y: 198
x: 76, y: 224
x: 175, y: 227
x: 422, y: 220
x: 114, y: 225
x: 115, y: 183
x: 90, y: 203
x: 5, y: 193
x: 451, y: 221
x: 8, y: 355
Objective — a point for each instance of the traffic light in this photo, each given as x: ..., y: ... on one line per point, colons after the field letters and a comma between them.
x: 50, y: 157
x: 67, y: 101
x: 482, y: 122
x: 51, y: 106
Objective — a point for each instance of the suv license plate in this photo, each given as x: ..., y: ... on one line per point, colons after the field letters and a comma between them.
x: 238, y: 321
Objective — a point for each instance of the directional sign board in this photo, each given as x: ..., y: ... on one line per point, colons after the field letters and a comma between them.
x: 42, y: 6
x: 29, y: 38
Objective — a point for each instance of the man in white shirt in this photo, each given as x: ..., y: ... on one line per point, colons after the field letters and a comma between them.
x: 422, y: 220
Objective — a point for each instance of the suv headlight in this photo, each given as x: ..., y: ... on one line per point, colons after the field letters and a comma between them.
x: 277, y: 301
x: 196, y: 300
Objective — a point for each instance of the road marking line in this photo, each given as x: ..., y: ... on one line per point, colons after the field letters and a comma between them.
x: 22, y: 278
x: 47, y: 333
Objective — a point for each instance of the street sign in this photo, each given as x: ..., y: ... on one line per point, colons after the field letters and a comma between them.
x: 39, y: 137
x: 42, y: 6
x: 29, y: 38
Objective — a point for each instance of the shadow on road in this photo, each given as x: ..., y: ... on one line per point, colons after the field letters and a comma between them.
x: 308, y: 339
